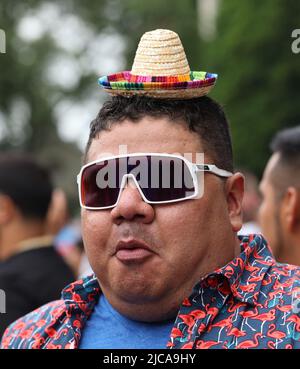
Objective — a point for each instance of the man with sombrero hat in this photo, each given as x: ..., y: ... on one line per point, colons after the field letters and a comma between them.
x: 160, y: 227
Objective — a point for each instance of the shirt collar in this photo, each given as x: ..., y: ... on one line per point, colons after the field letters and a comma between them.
x: 246, y: 272
x: 82, y: 295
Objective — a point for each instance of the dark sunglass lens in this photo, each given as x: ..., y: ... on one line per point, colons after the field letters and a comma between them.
x: 99, y: 184
x: 169, y: 179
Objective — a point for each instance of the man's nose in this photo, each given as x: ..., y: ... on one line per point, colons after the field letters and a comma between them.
x: 131, y: 206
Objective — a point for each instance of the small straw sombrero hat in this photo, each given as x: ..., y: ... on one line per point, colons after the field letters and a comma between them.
x: 161, y: 70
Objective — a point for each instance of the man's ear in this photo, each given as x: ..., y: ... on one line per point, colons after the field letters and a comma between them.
x: 7, y: 209
x: 290, y: 209
x: 234, y: 194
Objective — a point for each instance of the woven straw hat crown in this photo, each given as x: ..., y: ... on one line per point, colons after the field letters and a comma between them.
x: 160, y: 70
x: 160, y: 53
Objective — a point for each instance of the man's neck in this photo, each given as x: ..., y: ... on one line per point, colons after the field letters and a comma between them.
x: 14, y: 234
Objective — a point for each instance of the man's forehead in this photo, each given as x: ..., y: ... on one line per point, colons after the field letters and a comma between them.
x: 147, y: 135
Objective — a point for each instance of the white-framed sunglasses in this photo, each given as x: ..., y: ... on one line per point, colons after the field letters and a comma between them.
x: 159, y: 178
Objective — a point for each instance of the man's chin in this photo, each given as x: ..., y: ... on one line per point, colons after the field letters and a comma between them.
x: 136, y: 293
x: 142, y: 305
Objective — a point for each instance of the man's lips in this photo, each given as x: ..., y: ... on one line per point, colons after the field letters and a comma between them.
x: 132, y: 250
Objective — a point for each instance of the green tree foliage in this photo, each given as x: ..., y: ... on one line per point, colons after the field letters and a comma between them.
x: 259, y: 76
x: 27, y: 97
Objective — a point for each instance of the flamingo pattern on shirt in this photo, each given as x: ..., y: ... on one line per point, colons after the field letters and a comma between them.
x: 252, y: 302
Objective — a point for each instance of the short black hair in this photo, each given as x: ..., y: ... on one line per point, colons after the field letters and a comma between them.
x: 202, y: 115
x: 287, y: 169
x: 287, y: 143
x: 27, y: 183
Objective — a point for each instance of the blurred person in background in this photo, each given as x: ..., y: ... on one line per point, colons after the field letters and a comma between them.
x: 27, y: 256
x: 68, y: 242
x: 66, y: 232
x: 279, y: 214
x: 250, y: 204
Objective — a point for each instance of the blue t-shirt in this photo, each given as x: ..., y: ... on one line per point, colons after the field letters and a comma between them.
x: 107, y: 329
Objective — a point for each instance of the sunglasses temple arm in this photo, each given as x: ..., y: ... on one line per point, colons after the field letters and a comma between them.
x: 213, y: 169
